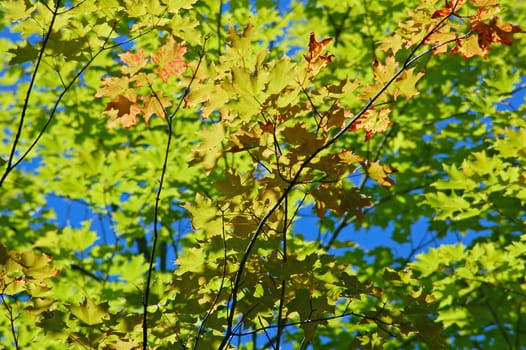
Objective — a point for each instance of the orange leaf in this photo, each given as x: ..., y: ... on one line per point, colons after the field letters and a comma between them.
x: 315, y: 58
x: 122, y: 104
x: 444, y: 12
x: 450, y: 8
x: 496, y: 31
x: 503, y: 31
x: 122, y: 111
x: 316, y: 47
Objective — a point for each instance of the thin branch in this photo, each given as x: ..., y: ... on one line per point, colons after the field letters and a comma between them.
x: 11, y: 320
x: 283, y: 284
x: 270, y: 341
x: 349, y: 217
x: 375, y: 319
x: 51, y: 116
x: 18, y: 134
x: 219, y: 16
x: 437, y: 27
x: 169, y: 120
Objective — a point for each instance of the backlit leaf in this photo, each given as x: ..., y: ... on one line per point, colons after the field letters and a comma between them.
x: 89, y: 313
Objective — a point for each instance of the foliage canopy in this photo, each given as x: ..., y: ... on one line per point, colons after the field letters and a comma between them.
x: 197, y: 174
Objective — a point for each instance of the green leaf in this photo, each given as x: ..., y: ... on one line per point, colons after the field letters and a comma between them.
x: 90, y: 313
x: 23, y: 53
x: 448, y: 206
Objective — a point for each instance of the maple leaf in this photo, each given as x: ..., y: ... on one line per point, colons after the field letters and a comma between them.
x: 485, y: 14
x: 169, y: 58
x: 407, y: 82
x: 122, y: 104
x: 504, y: 31
x: 348, y: 157
x: 441, y: 36
x: 373, y: 121
x: 394, y: 42
x: 134, y: 62
x: 23, y: 53
x: 496, y: 31
x: 112, y: 87
x: 336, y: 117
x: 122, y: 110
x: 210, y: 148
x: 470, y: 47
x: 383, y: 73
x: 316, y: 59
x: 242, y: 140
x: 153, y: 107
x: 327, y: 198
x: 379, y: 173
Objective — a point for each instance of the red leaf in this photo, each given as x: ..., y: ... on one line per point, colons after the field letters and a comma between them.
x: 266, y: 127
x: 504, y: 31
x: 496, y: 31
